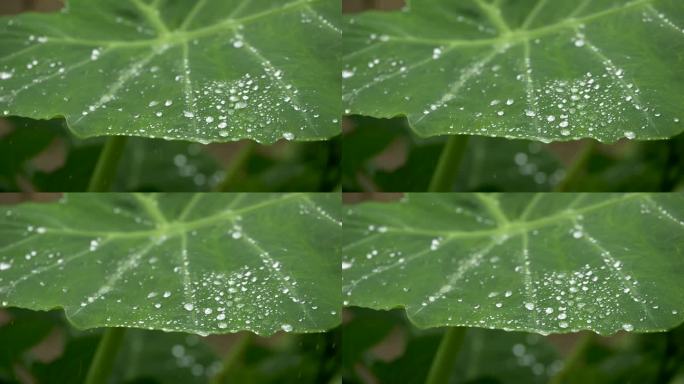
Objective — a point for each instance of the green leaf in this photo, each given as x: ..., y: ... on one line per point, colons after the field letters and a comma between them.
x: 155, y: 165
x: 363, y: 330
x: 312, y: 358
x: 207, y: 71
x: 27, y: 139
x: 546, y: 263
x: 202, y: 263
x: 487, y: 356
x: 72, y: 365
x: 542, y: 70
x: 24, y: 330
x: 165, y: 358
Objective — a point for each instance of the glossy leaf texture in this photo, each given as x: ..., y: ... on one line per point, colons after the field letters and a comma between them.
x: 199, y: 263
x: 531, y: 69
x: 545, y: 263
x: 206, y: 71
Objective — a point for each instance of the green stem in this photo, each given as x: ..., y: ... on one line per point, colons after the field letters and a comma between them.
x: 232, y: 358
x: 574, y: 359
x: 449, y: 164
x: 107, y: 165
x: 577, y: 168
x: 445, y: 359
x: 105, y: 356
x: 237, y: 163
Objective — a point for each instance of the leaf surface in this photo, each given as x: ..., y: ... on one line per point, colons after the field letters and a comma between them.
x: 201, y: 263
x: 207, y: 70
x: 546, y: 263
x: 537, y: 70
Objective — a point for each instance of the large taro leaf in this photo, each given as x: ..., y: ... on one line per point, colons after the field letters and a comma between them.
x: 547, y: 263
x: 207, y: 70
x: 531, y: 69
x: 202, y: 263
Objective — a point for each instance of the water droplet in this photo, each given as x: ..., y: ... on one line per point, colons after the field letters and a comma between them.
x: 529, y: 306
x: 188, y: 306
x: 347, y: 74
x: 436, y: 53
x: 630, y: 135
x: 286, y: 327
x: 628, y: 327
x: 5, y: 266
x: 563, y: 324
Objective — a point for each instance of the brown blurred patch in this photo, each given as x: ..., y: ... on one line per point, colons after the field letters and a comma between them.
x: 9, y: 7
x: 355, y: 198
x: 351, y: 6
x: 16, y: 198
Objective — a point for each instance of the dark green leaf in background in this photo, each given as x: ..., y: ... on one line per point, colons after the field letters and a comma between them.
x: 490, y: 164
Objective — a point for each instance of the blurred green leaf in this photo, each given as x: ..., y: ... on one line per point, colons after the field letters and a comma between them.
x: 27, y: 139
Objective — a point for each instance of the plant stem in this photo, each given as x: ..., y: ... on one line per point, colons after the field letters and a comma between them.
x: 577, y: 168
x: 236, y: 165
x: 232, y: 358
x: 575, y: 358
x: 449, y: 164
x: 105, y: 356
x: 445, y: 358
x: 107, y: 165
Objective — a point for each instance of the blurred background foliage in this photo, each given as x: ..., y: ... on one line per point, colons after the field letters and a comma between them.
x: 384, y: 155
x: 42, y: 156
x: 42, y: 348
x: 384, y: 347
